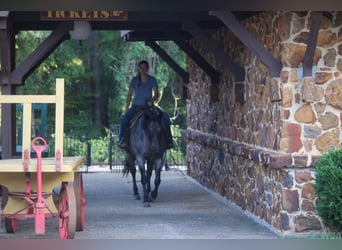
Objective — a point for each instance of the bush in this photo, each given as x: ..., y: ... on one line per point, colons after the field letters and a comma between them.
x: 99, y: 150
x: 328, y: 188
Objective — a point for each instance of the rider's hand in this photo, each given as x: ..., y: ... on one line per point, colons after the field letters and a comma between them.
x: 149, y: 103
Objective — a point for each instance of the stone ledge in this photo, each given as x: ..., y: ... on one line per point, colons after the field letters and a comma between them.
x: 264, y: 156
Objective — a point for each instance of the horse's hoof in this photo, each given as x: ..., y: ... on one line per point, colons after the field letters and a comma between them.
x: 136, y: 197
x: 154, y: 195
x: 147, y: 204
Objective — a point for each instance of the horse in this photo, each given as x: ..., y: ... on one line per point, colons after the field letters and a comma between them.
x: 146, y: 146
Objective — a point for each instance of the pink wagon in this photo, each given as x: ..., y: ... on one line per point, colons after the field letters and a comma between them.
x: 30, y: 183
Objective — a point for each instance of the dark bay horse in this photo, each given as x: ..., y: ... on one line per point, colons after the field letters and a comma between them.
x: 146, y: 146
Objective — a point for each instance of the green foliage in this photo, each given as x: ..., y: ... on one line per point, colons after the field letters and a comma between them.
x: 68, y: 61
x: 75, y: 147
x: 328, y: 188
x: 170, y: 85
x: 99, y: 149
x: 118, y: 64
x: 76, y: 144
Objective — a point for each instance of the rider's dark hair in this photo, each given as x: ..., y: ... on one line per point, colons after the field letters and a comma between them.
x: 141, y: 62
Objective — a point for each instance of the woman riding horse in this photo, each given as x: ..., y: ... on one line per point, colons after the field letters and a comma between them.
x: 147, y: 146
x: 145, y: 91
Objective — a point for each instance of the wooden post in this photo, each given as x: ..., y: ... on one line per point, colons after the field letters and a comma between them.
x: 27, y: 125
x: 59, y: 120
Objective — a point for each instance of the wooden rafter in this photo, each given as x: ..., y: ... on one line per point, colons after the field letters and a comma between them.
x: 311, y: 44
x: 195, y: 56
x: 250, y: 41
x: 183, y: 74
x: 237, y: 71
x: 33, y: 60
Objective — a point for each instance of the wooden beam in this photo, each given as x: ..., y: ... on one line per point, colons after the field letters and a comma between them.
x: 3, y: 19
x: 60, y: 34
x: 183, y: 74
x: 237, y: 71
x: 311, y: 44
x: 7, y: 62
x: 7, y: 49
x: 195, y: 56
x: 176, y: 5
x: 29, y: 99
x: 250, y: 41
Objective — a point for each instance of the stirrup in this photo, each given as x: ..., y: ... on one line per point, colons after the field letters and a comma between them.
x: 122, y: 144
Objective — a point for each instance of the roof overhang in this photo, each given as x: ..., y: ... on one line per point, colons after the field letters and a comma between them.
x: 175, y: 5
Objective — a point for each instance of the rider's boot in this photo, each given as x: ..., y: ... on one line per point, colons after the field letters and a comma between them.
x: 169, y: 140
x: 123, y: 143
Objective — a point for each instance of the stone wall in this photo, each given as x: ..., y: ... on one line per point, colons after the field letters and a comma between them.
x: 260, y: 152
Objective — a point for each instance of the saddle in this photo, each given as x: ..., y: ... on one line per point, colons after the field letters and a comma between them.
x: 151, y: 112
x: 142, y: 110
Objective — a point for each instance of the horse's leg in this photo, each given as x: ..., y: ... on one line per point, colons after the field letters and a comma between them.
x: 149, y: 174
x: 132, y: 169
x: 159, y: 164
x: 135, y: 187
x: 141, y: 163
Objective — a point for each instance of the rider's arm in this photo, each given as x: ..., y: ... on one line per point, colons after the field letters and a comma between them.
x: 129, y: 98
x: 155, y: 94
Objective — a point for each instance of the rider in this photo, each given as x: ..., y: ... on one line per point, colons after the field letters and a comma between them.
x: 145, y: 91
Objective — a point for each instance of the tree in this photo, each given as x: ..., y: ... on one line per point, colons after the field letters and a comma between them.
x: 97, y: 72
x: 67, y: 61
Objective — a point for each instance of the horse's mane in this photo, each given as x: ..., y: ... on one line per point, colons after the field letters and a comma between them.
x: 151, y: 114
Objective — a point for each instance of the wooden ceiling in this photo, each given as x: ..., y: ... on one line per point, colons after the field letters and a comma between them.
x: 139, y: 26
x: 152, y: 19
x: 174, y: 5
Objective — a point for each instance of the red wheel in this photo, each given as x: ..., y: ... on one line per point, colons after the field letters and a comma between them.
x: 80, y: 201
x: 11, y: 225
x: 67, y: 212
x: 55, y: 195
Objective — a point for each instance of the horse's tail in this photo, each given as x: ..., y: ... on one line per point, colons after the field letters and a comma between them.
x: 125, y: 170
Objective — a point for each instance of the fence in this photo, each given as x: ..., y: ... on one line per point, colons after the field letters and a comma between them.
x: 174, y: 157
x: 104, y: 151
x: 75, y: 144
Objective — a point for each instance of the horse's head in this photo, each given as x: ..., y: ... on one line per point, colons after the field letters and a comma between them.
x: 152, y: 113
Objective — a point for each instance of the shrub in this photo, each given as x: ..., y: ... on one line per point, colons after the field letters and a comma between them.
x: 99, y: 150
x: 328, y: 188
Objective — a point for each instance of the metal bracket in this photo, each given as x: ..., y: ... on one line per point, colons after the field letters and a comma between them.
x: 58, y: 160
x: 26, y: 160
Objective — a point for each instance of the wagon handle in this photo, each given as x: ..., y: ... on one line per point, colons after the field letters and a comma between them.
x: 39, y: 148
x: 40, y: 205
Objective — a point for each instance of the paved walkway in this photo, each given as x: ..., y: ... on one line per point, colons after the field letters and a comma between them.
x: 183, y: 210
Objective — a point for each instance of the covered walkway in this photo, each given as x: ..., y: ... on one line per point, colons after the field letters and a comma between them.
x: 183, y: 210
